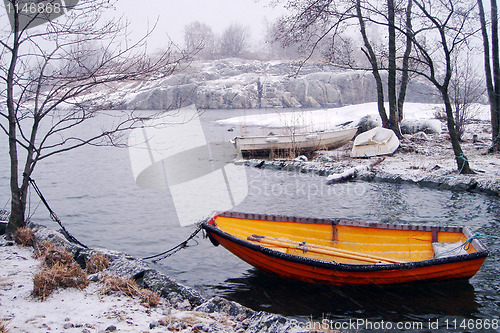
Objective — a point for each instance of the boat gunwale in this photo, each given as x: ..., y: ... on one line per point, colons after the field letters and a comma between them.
x: 482, y: 251
x: 294, y: 134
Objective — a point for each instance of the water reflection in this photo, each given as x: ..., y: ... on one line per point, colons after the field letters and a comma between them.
x: 393, y: 303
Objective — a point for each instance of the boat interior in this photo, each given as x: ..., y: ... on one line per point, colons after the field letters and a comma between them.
x: 348, y: 242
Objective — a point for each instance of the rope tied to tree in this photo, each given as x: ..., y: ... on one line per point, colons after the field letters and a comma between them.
x: 464, y: 159
x: 177, y: 248
x: 53, y: 215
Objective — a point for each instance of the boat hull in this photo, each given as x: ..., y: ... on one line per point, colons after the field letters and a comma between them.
x: 311, y: 270
x: 256, y: 145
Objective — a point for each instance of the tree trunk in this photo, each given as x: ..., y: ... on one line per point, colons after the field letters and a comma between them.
x: 490, y: 86
x: 462, y: 161
x: 372, y: 58
x: 18, y: 205
x: 391, y: 79
x: 495, y: 114
x: 405, y: 76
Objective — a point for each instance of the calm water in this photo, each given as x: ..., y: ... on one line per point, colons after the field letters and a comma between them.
x: 93, y: 192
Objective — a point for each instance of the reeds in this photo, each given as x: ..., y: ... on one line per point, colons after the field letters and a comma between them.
x: 3, y: 327
x: 58, y: 276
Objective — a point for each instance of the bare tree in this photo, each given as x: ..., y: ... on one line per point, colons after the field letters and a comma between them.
x: 53, y: 78
x: 444, y: 27
x: 275, y: 48
x: 405, y: 64
x: 313, y: 21
x: 234, y: 41
x: 466, y: 90
x: 199, y: 36
x: 492, y: 69
x: 369, y: 51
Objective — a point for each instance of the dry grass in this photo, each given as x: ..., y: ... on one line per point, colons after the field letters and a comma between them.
x: 3, y: 327
x: 58, y: 276
x: 115, y: 284
x: 24, y: 236
x: 60, y: 271
x: 51, y: 254
x: 97, y: 263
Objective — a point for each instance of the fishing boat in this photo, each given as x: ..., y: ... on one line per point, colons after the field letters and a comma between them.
x: 341, y: 252
x: 299, y: 143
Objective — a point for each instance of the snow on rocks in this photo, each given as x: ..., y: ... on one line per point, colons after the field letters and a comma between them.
x: 66, y: 309
x: 428, y: 126
x: 422, y: 159
x: 181, y: 309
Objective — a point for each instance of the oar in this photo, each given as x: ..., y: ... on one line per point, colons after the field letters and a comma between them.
x: 358, y: 254
x: 309, y: 246
x: 323, y: 250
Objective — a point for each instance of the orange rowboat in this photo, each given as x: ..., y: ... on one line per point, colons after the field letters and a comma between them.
x: 343, y: 252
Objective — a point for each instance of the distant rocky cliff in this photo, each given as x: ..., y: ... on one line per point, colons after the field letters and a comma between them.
x: 237, y: 83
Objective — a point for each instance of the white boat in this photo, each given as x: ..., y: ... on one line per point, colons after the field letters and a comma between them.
x: 375, y: 142
x: 4, y: 219
x: 304, y: 142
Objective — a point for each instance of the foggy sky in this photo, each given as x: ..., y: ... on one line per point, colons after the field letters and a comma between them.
x: 174, y: 15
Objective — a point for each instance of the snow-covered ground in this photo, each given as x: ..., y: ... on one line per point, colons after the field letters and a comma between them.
x: 420, y: 158
x: 72, y: 310
x: 327, y: 119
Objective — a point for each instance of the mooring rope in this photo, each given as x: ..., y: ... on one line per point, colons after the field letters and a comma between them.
x: 468, y: 242
x: 177, y: 248
x: 464, y: 159
x: 53, y: 215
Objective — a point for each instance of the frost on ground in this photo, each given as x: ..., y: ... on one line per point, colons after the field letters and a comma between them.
x: 92, y: 310
x: 421, y: 158
x: 88, y: 310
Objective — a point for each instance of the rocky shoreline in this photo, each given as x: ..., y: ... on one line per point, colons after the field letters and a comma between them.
x: 182, y: 309
x: 422, y: 159
x: 252, y: 84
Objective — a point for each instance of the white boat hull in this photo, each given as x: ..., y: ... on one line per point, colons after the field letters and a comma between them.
x: 298, y: 142
x: 375, y: 142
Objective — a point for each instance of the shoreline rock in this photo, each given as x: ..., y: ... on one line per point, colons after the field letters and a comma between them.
x: 181, y: 298
x: 250, y: 84
x: 422, y: 159
x: 449, y: 182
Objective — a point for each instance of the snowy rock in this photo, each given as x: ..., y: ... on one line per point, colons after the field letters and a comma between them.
x: 221, y: 305
x: 124, y: 265
x: 111, y: 328
x: 169, y: 288
x: 238, y: 83
x: 367, y: 123
x: 249, y: 320
x: 68, y: 326
x: 184, y: 305
x: 428, y: 126
x: 301, y: 158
